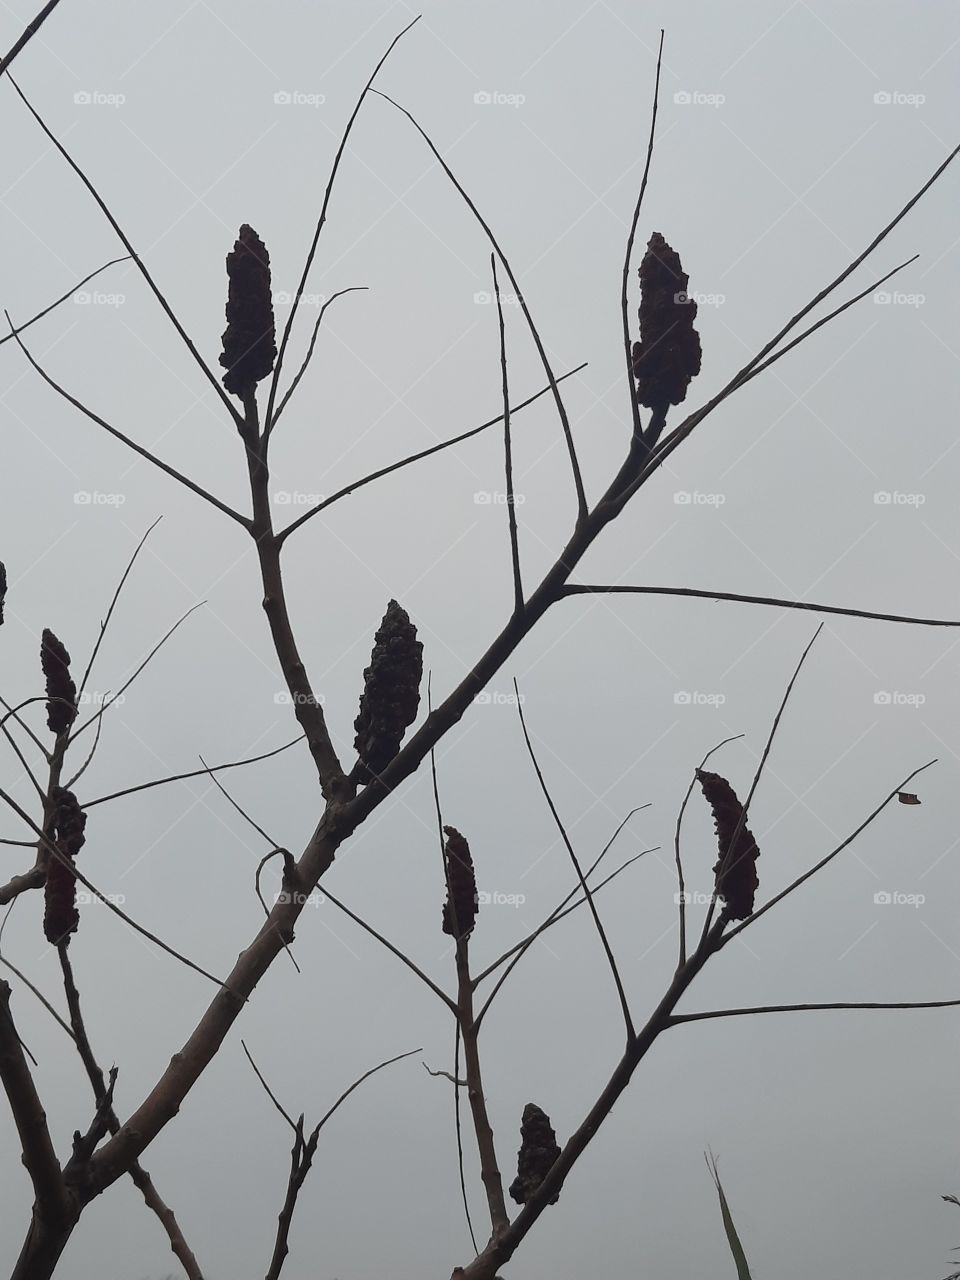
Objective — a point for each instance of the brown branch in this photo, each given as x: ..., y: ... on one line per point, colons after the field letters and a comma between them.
x: 459, y: 1128
x: 608, y: 950
x: 31, y: 29
x: 534, y: 332
x: 139, y: 1176
x: 707, y: 1014
x: 269, y: 416
x: 581, y: 589
x: 131, y: 444
x: 489, y: 1170
x: 415, y: 457
x: 138, y: 262
x: 63, y: 298
x: 628, y: 254
x: 53, y: 1202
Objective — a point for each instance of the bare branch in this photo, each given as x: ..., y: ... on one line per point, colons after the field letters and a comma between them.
x: 581, y: 589
x: 31, y: 29
x: 459, y: 1127
x: 131, y: 444
x: 628, y: 254
x: 140, y: 265
x: 414, y: 457
x: 266, y: 1088
x: 507, y: 450
x: 192, y: 773
x: 618, y: 981
x: 534, y: 332
x: 761, y: 911
x: 63, y: 298
x: 357, y: 288
x: 705, y: 1015
x: 269, y: 416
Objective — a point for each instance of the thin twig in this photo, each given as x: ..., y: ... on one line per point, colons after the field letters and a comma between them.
x: 534, y: 332
x: 581, y: 589
x: 681, y: 886
x: 624, y: 1005
x: 628, y: 254
x: 269, y: 417
x: 705, y: 1015
x: 507, y: 449
x: 192, y: 773
x: 125, y: 439
x: 63, y: 298
x: 415, y: 457
x: 357, y: 288
x: 459, y: 1126
x: 31, y: 29
x: 138, y: 262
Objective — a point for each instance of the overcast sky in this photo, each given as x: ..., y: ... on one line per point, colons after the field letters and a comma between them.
x: 789, y: 134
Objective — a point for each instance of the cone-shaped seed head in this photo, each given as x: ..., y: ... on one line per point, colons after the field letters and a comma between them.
x: 460, y: 908
x: 668, y: 353
x: 736, y: 871
x: 3, y: 590
x: 391, y: 692
x: 61, y: 691
x: 250, y: 338
x: 537, y: 1154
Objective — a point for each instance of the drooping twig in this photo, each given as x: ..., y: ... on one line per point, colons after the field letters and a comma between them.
x: 192, y: 773
x: 707, y: 1014
x: 534, y: 331
x: 608, y: 950
x: 582, y: 589
x: 415, y: 457
x: 357, y: 288
x: 125, y: 439
x: 7, y: 337
x: 269, y: 417
x: 138, y: 261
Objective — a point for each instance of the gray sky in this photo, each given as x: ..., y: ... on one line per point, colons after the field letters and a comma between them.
x: 806, y: 128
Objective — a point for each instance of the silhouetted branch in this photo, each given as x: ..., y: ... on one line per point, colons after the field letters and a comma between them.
x: 31, y: 29
x: 507, y: 450
x: 7, y: 337
x: 357, y: 288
